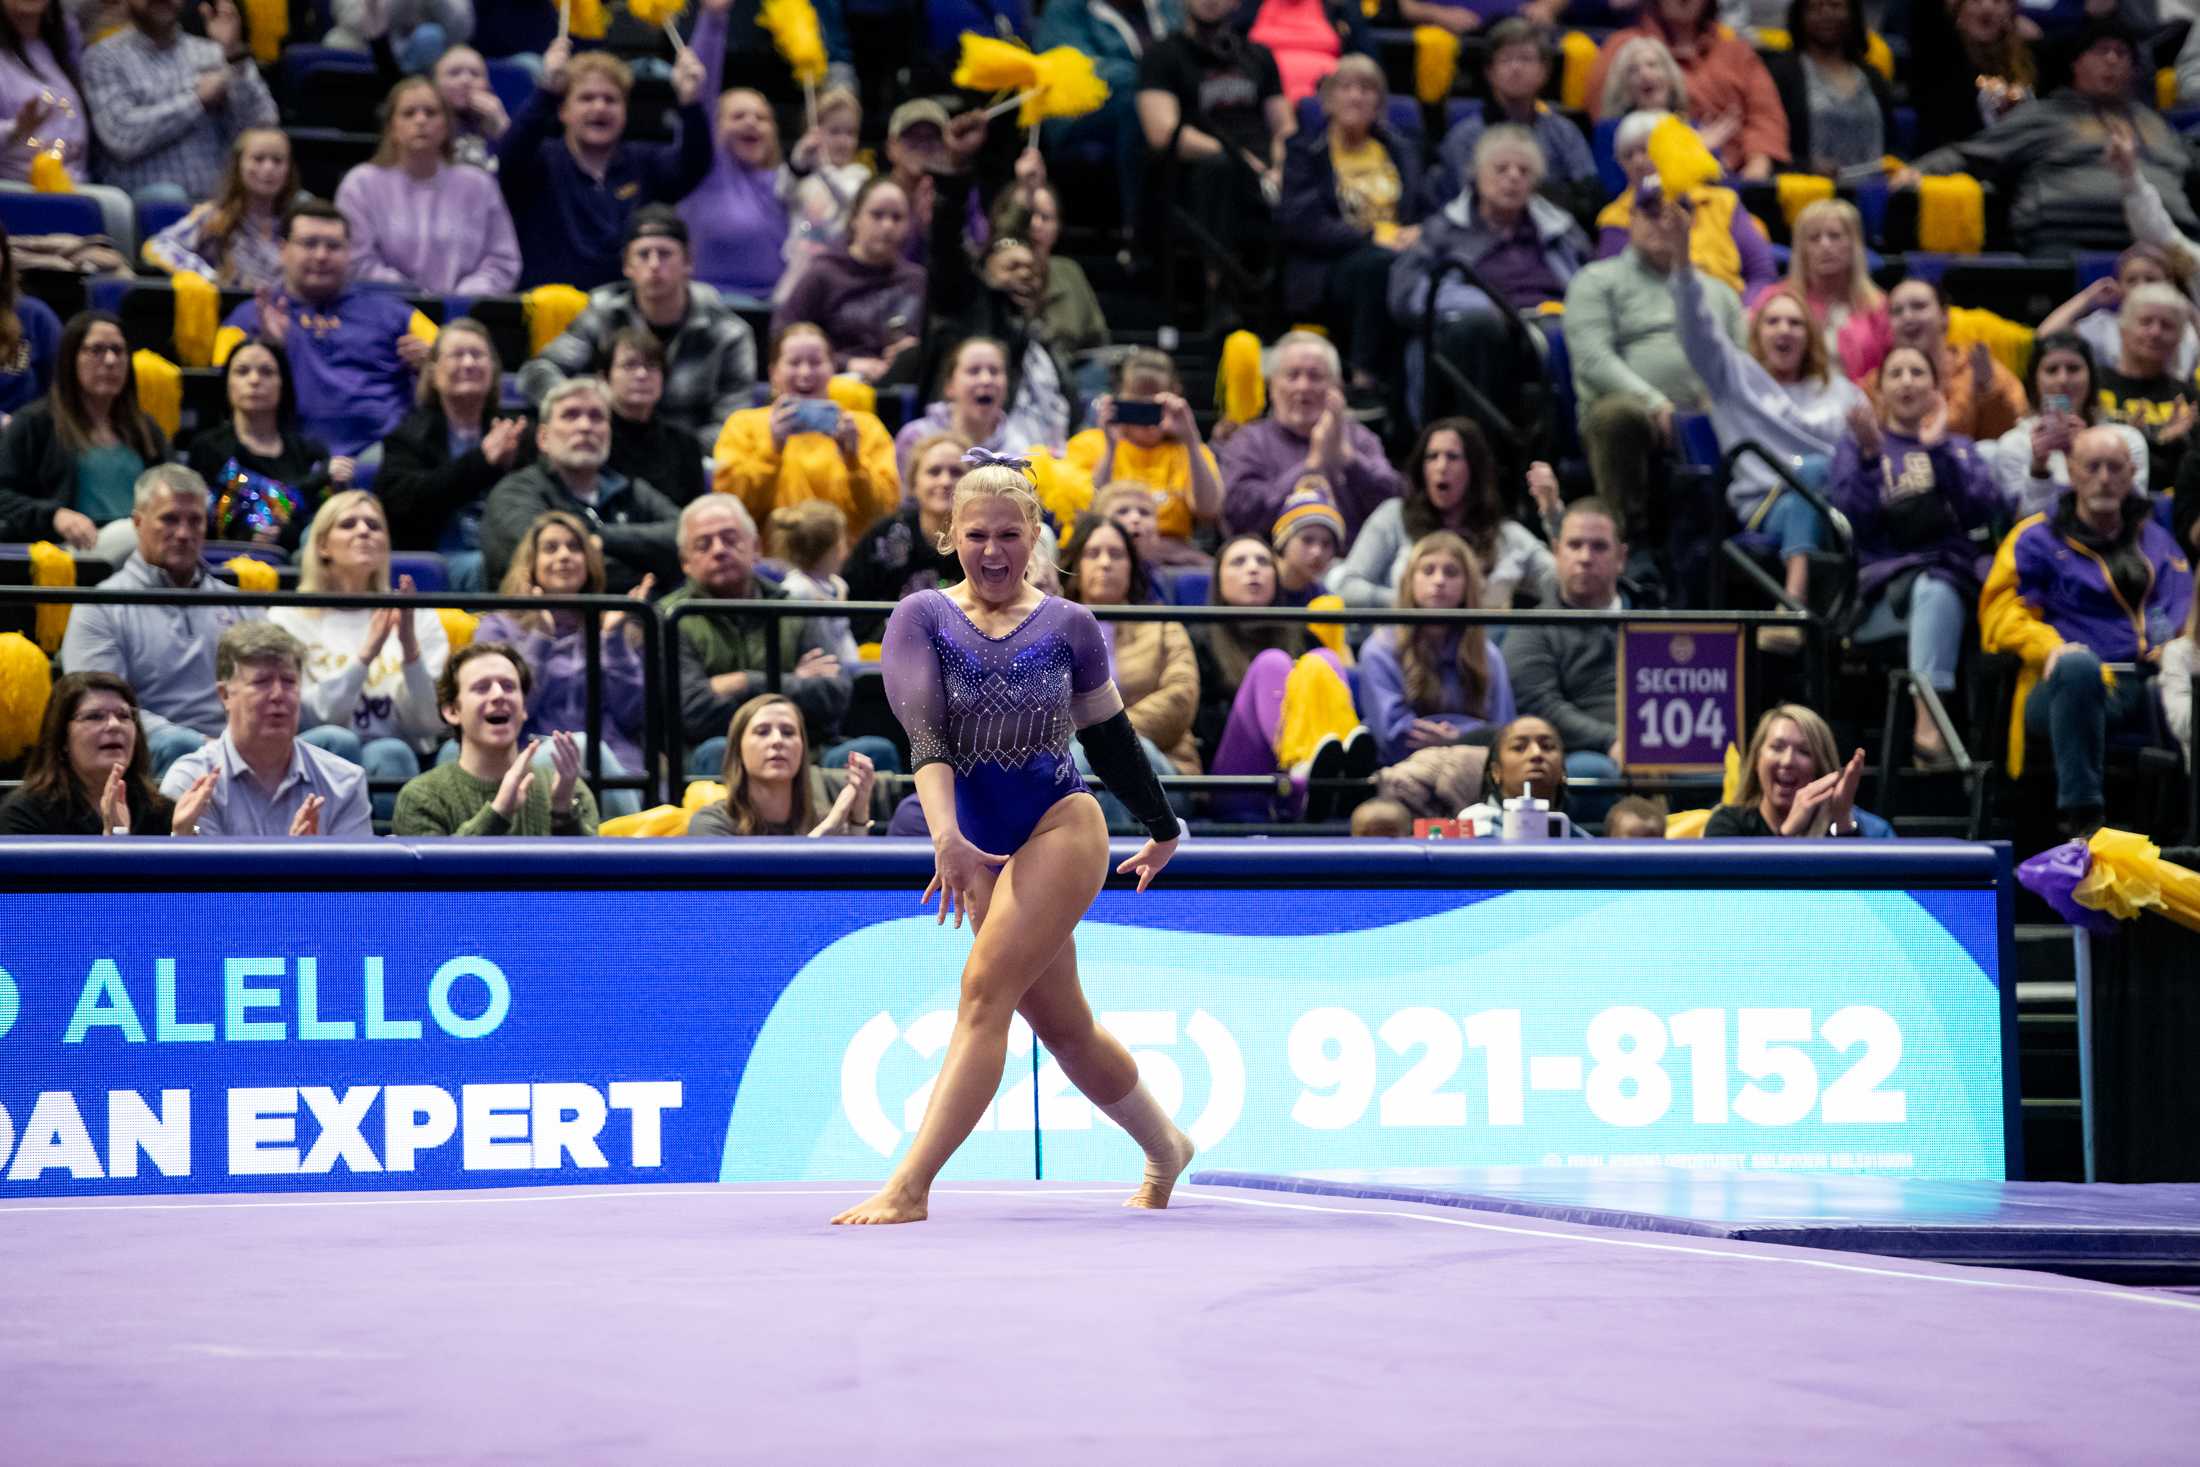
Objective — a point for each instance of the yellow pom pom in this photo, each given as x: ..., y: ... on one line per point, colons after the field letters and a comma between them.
x: 662, y: 820
x: 159, y: 389
x: 198, y: 317
x: 1880, y: 57
x: 656, y: 14
x: 1798, y: 191
x: 458, y: 626
x: 1064, y: 490
x: 794, y: 29
x: 1065, y: 86
x: 268, y: 23
x: 853, y: 394
x: 550, y: 309
x: 1435, y: 63
x: 1682, y: 161
x: 1951, y: 214
x: 988, y: 65
x: 52, y: 566
x: 1239, y: 385
x: 587, y: 20
x: 1042, y: 477
x: 49, y: 177
x: 26, y: 678
x: 1577, y: 55
x: 252, y: 573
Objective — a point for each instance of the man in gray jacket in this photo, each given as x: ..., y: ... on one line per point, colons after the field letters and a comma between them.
x: 1569, y: 675
x: 166, y: 653
x: 710, y: 352
x: 633, y: 522
x: 2047, y: 154
x: 1630, y: 374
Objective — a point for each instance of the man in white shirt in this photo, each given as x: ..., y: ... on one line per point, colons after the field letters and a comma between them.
x: 259, y: 778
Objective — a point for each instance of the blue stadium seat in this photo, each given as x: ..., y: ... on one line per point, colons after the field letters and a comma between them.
x: 107, y: 292
x: 50, y: 214
x: 298, y: 60
x: 1870, y: 200
x: 430, y: 572
x: 1609, y: 173
x: 1904, y: 142
x: 1183, y: 585
x: 153, y: 218
x: 1699, y: 444
x: 2095, y: 265
x: 512, y: 83
x: 1404, y: 117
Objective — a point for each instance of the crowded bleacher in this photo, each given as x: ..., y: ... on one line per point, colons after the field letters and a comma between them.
x: 1871, y: 324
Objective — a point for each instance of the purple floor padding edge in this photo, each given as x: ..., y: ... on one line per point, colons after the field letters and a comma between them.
x: 1033, y: 1324
x: 2139, y: 1232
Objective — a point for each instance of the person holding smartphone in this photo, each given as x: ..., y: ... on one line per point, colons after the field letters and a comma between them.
x: 805, y: 446
x: 1144, y: 432
x: 2031, y: 461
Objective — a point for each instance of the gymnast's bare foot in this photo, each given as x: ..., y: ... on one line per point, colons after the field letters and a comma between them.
x: 891, y: 1205
x: 1162, y: 1172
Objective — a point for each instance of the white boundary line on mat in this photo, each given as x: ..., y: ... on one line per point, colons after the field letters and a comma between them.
x: 485, y: 1199
x: 1789, y: 1256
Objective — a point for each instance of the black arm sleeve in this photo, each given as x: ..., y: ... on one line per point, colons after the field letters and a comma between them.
x: 1112, y: 746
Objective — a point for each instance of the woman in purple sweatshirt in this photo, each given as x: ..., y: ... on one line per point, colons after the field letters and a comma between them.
x: 1913, y: 494
x: 866, y: 297
x: 420, y: 221
x: 737, y: 216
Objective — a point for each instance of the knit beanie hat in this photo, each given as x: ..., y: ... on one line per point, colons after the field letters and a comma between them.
x: 1309, y: 505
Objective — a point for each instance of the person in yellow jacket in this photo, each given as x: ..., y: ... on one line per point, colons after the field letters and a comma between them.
x: 779, y: 456
x: 1167, y: 457
x: 2095, y: 580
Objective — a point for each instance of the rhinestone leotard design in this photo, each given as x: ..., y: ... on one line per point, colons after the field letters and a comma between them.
x: 1000, y: 710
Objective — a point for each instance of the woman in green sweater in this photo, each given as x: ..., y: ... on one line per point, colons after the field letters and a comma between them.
x: 494, y: 787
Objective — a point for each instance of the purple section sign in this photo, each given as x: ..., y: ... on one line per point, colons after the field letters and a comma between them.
x: 1680, y: 696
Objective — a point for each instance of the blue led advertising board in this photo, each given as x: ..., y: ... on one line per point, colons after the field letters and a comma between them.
x: 413, y: 1038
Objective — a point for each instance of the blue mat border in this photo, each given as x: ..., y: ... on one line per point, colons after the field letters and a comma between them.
x: 1996, y: 1245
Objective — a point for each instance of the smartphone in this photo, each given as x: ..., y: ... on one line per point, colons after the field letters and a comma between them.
x: 1137, y: 412
x: 1650, y: 193
x: 816, y: 415
x: 2056, y: 403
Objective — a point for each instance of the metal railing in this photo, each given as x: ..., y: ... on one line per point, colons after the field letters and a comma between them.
x: 775, y: 611
x: 664, y: 735
x: 649, y: 780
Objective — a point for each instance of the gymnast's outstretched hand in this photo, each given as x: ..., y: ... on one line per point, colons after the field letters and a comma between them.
x: 1148, y: 861
x: 955, y: 867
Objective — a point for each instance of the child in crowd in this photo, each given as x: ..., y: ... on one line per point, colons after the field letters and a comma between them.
x: 477, y: 113
x: 1308, y: 538
x: 1133, y: 508
x: 811, y: 539
x: 1382, y: 818
x: 231, y: 239
x: 830, y: 172
x: 1636, y: 818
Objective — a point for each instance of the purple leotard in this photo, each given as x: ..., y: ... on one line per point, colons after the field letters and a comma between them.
x: 1001, y: 710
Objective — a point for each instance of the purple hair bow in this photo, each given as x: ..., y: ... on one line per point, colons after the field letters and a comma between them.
x: 982, y: 458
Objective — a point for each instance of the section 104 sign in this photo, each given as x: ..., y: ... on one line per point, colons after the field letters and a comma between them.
x: 1680, y: 696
